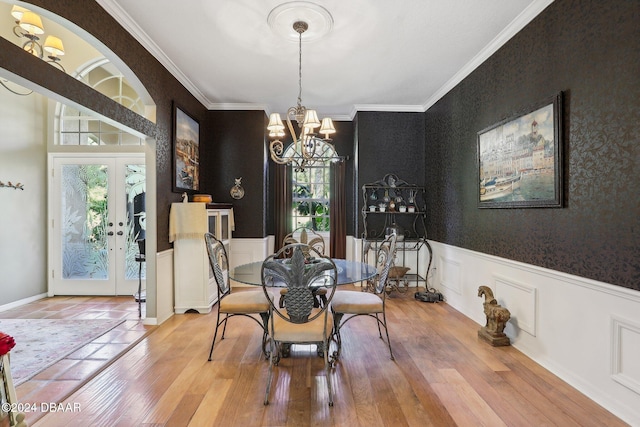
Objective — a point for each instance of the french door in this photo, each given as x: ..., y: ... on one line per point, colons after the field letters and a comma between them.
x: 97, y: 219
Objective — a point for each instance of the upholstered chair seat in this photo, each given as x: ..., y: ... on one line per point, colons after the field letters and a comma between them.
x: 347, y: 305
x: 243, y: 303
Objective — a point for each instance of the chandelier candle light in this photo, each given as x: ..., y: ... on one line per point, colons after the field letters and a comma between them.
x: 29, y: 25
x: 307, y: 147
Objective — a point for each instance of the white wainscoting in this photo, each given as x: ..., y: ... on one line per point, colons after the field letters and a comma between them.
x: 625, y: 360
x: 522, y: 302
x: 245, y: 251
x: 449, y: 275
x: 164, y: 286
x: 584, y: 331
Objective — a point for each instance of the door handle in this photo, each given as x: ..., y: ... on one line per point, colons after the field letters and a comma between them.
x: 110, y: 233
x: 120, y: 233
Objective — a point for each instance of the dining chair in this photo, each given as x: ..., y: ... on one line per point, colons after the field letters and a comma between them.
x: 357, y: 303
x: 300, y: 321
x: 306, y: 236
x: 244, y: 303
x: 314, y: 240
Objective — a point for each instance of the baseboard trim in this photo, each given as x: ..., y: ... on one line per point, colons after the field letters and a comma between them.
x: 22, y: 302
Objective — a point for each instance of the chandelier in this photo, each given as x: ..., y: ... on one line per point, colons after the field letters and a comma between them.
x: 307, y: 147
x: 29, y: 26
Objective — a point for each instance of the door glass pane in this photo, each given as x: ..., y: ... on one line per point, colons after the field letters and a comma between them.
x: 84, y: 222
x: 136, y: 219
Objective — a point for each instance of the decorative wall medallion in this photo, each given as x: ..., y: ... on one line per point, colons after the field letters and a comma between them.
x: 237, y: 192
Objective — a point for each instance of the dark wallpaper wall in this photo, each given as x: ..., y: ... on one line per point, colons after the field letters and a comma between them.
x: 387, y: 142
x: 590, y: 50
x: 235, y: 148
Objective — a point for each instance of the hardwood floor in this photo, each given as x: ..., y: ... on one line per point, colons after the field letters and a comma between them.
x: 60, y: 380
x: 442, y: 376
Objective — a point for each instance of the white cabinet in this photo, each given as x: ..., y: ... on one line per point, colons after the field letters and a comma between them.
x: 194, y: 284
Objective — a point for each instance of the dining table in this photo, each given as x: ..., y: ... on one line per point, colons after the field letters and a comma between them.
x: 348, y: 272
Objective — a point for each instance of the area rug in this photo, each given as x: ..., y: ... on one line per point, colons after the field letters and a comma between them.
x: 42, y: 342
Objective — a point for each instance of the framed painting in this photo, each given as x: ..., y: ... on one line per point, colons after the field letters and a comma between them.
x: 186, y: 152
x: 520, y: 159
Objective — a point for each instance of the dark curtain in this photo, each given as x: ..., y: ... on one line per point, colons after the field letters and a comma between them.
x: 338, y: 213
x: 282, y: 202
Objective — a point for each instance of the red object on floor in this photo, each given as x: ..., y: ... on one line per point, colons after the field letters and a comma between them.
x: 6, y: 343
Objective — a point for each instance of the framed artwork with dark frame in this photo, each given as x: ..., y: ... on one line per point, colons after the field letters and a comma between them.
x: 520, y: 159
x: 186, y: 152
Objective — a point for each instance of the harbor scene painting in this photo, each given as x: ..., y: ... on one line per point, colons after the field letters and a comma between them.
x: 519, y: 160
x: 186, y: 152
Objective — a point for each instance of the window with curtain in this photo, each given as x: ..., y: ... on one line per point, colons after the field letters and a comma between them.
x: 313, y: 198
x: 310, y: 192
x: 310, y: 197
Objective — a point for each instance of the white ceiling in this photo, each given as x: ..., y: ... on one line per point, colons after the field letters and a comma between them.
x: 382, y: 55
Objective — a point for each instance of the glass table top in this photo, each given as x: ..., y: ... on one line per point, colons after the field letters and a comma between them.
x: 348, y: 272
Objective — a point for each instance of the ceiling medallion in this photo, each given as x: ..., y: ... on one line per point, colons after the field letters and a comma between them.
x: 282, y: 18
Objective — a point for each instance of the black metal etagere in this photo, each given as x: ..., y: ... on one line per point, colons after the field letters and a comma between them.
x: 392, y: 204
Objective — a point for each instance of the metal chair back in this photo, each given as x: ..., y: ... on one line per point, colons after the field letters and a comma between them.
x: 384, y: 259
x: 305, y: 236
x: 219, y: 263
x: 301, y: 275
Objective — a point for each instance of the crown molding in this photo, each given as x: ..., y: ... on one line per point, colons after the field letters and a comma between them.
x: 147, y: 42
x: 340, y: 117
x: 389, y: 107
x: 385, y: 107
x: 237, y: 106
x: 515, y: 26
x: 527, y: 15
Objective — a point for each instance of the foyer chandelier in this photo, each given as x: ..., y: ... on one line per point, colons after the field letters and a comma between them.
x: 29, y: 26
x: 307, y: 147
